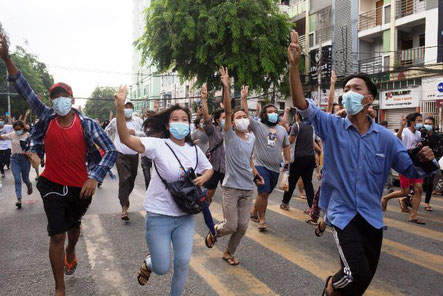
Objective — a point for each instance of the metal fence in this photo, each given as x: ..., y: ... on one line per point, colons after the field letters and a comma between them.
x: 408, y: 7
x: 371, y: 66
x: 370, y: 19
x: 410, y: 57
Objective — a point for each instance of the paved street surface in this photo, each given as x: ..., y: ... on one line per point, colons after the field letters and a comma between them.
x: 286, y: 260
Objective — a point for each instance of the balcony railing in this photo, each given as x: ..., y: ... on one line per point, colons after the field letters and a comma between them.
x: 293, y: 7
x: 410, y: 57
x: 302, y: 41
x: 370, y: 19
x: 371, y: 66
x: 408, y: 7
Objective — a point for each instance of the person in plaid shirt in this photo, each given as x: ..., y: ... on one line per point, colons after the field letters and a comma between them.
x: 74, y: 165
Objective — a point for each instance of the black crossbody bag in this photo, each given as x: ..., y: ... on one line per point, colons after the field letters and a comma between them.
x: 210, y: 151
x: 188, y: 196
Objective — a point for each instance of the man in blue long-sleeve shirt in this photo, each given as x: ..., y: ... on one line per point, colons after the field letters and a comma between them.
x: 358, y: 156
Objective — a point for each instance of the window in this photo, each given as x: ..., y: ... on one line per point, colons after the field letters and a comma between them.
x: 281, y: 106
x: 421, y: 40
x: 387, y: 12
x: 386, y: 61
x: 312, y: 39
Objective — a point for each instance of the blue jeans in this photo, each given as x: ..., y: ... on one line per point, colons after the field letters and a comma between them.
x: 160, y: 232
x: 20, y: 166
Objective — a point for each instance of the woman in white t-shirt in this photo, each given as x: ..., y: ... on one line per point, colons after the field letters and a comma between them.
x: 20, y: 164
x: 165, y: 222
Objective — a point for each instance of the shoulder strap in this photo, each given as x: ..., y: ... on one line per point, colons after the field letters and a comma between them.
x: 163, y: 180
x: 196, y: 155
x: 216, y: 146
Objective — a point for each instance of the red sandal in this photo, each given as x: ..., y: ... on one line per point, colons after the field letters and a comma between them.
x: 70, y: 267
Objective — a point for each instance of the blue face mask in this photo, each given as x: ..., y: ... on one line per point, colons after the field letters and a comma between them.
x: 2, y: 122
x: 418, y: 126
x: 223, y: 123
x: 62, y: 106
x: 128, y: 113
x: 352, y: 102
x: 179, y: 130
x: 19, y: 133
x: 428, y: 127
x: 272, y: 117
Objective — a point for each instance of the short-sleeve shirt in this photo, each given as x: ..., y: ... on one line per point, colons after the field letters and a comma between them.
x: 304, y: 146
x: 158, y: 199
x: 215, y: 134
x: 238, y: 167
x: 269, y: 143
x: 409, y: 139
x: 16, y: 148
x: 5, y: 144
x: 203, y: 140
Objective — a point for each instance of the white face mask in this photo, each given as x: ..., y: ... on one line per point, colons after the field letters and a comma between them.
x: 62, y: 105
x: 128, y: 113
x: 241, y: 124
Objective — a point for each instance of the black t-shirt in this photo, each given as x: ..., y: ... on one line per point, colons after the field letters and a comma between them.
x: 304, y: 146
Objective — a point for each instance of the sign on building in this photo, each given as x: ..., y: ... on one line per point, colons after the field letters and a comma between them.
x: 432, y: 88
x: 324, y: 62
x: 400, y: 98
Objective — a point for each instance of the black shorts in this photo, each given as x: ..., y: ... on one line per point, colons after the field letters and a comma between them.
x: 215, y: 179
x: 63, y: 206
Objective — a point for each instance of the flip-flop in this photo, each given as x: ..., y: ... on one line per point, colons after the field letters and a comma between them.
x: 325, y: 293
x: 209, y: 236
x: 312, y: 222
x: 70, y: 268
x: 231, y: 261
x: 144, y: 273
x: 318, y: 231
x: 417, y: 221
x: 262, y: 227
x: 255, y: 219
x: 429, y: 209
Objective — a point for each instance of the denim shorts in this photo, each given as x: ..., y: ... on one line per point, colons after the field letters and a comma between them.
x: 270, y: 177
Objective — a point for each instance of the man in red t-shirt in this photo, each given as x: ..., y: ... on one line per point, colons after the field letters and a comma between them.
x: 74, y: 166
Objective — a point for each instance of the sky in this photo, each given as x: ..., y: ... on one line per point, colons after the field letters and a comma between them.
x: 94, y: 36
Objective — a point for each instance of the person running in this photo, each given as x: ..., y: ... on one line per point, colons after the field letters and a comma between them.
x: 411, y: 138
x: 20, y: 164
x: 165, y: 222
x: 433, y: 139
x: 199, y: 135
x: 238, y: 184
x: 358, y: 156
x: 5, y: 146
x: 146, y: 162
x: 271, y: 140
x: 73, y: 165
x: 127, y: 161
x: 304, y: 162
x: 214, y: 131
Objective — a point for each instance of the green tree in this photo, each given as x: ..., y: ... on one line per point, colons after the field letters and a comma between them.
x: 196, y: 37
x: 36, y: 74
x: 101, y: 103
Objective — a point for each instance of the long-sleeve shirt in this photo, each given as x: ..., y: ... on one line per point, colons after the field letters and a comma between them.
x: 356, y: 166
x: 92, y: 132
x: 135, y: 123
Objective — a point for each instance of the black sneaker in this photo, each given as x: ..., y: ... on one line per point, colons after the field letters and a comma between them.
x: 18, y: 204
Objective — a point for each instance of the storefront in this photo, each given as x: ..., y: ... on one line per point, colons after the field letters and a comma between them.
x: 395, y: 103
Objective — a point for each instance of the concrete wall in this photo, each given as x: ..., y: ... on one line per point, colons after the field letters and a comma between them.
x: 431, y: 36
x: 316, y: 5
x: 341, y: 54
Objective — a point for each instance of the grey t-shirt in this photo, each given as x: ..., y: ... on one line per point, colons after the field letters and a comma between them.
x: 238, y: 154
x: 304, y: 146
x: 203, y: 140
x: 215, y: 135
x: 269, y: 143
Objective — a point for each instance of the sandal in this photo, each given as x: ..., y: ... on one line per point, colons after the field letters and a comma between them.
x: 125, y: 214
x: 325, y: 293
x: 429, y: 209
x: 307, y: 211
x: 284, y: 206
x: 255, y: 218
x: 262, y: 226
x: 417, y: 221
x: 312, y: 222
x: 144, y: 273
x: 231, y: 260
x: 403, y: 206
x: 318, y: 230
x: 210, y: 240
x: 70, y: 267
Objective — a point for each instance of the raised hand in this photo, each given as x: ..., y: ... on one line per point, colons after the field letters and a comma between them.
x: 294, y: 50
x: 204, y: 93
x: 403, y: 121
x: 333, y: 77
x: 4, y: 48
x: 244, y: 92
x: 225, y: 79
x: 120, y: 97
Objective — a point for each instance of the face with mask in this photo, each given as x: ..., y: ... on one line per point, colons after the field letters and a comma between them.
x: 179, y: 124
x: 418, y: 123
x: 129, y: 109
x: 241, y: 121
x: 221, y: 120
x: 356, y: 96
x: 429, y: 125
x: 62, y: 105
x: 19, y: 132
x: 270, y: 115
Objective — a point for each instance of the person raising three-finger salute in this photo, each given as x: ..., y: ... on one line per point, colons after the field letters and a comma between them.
x: 359, y: 154
x: 238, y: 184
x: 73, y: 164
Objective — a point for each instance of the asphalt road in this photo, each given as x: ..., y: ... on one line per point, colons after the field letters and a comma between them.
x: 286, y: 260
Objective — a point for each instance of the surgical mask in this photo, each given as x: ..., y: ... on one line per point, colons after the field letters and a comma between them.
x: 428, y: 127
x: 179, y: 130
x: 241, y: 124
x: 352, y: 102
x: 223, y: 123
x: 2, y: 122
x: 19, y: 133
x: 272, y: 117
x: 128, y: 113
x: 418, y: 126
x: 62, y: 106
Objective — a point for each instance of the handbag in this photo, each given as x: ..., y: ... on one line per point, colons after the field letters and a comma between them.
x: 210, y: 151
x: 189, y: 197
